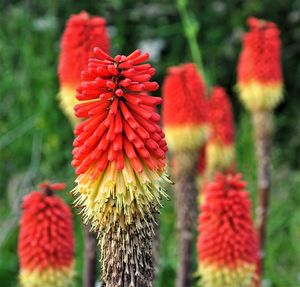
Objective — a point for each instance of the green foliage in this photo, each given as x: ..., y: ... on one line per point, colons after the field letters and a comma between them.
x: 36, y: 139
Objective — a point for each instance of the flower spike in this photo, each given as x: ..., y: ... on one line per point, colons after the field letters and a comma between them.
x: 82, y: 33
x: 46, y: 240
x: 185, y: 124
x: 119, y: 157
x: 220, y: 152
x: 184, y: 108
x: 227, y: 242
x: 260, y: 86
x: 259, y: 68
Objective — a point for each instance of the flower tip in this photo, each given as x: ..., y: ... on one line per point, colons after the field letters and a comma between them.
x: 58, y: 186
x: 52, y: 187
x: 83, y: 14
x: 252, y: 21
x: 174, y: 70
x: 44, y: 184
x: 98, y: 52
x: 256, y: 23
x: 155, y: 86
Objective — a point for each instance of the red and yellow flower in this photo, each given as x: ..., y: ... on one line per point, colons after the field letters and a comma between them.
x: 220, y: 151
x: 120, y: 158
x: 184, y: 108
x: 81, y: 35
x: 46, y: 241
x: 119, y: 150
x: 259, y: 69
x: 227, y: 242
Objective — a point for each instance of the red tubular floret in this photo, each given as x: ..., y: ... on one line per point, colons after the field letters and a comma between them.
x: 131, y: 135
x: 120, y: 160
x: 134, y: 55
x: 129, y: 149
x: 102, y: 55
x: 141, y: 59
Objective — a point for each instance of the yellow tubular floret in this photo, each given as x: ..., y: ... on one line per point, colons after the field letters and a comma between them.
x: 67, y: 101
x: 219, y: 156
x: 119, y: 195
x: 243, y: 275
x: 50, y: 277
x: 189, y: 137
x: 261, y: 96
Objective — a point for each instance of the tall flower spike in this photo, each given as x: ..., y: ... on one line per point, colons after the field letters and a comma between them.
x: 227, y: 243
x: 184, y: 108
x: 46, y: 241
x: 220, y: 151
x: 259, y: 68
x: 185, y: 125
x: 119, y: 156
x: 81, y: 35
x: 261, y: 89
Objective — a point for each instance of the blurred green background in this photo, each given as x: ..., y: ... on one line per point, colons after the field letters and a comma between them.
x: 36, y: 139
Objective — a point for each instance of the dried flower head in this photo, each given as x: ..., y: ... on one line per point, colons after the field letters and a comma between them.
x: 227, y: 243
x: 46, y: 241
x: 81, y: 35
x: 184, y: 108
x: 220, y: 153
x: 259, y: 68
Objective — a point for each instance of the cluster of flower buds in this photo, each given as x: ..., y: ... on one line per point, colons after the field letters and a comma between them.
x: 119, y: 149
x: 220, y: 151
x: 46, y: 241
x: 227, y: 242
x: 184, y: 109
x: 81, y: 35
x: 259, y: 68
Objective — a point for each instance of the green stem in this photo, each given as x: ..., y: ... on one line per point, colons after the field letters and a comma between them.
x: 191, y: 29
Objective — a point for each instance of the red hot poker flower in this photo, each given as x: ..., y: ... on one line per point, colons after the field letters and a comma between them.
x: 220, y: 117
x: 227, y: 243
x: 220, y: 147
x: 119, y: 144
x: 259, y: 68
x: 46, y: 241
x: 184, y: 108
x: 119, y: 156
x: 81, y: 35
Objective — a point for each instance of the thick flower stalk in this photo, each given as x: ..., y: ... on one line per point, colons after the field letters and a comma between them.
x: 185, y: 125
x: 227, y: 242
x: 82, y: 33
x: 220, y: 151
x: 201, y: 165
x: 261, y: 90
x: 201, y: 178
x: 46, y: 241
x: 119, y: 156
